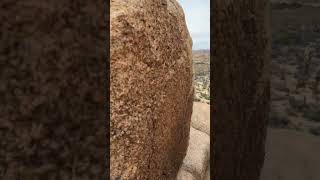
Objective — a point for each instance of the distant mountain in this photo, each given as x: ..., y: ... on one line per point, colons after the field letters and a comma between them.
x: 205, y: 51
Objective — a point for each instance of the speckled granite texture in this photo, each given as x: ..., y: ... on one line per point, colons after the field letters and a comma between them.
x: 52, y: 121
x: 151, y: 89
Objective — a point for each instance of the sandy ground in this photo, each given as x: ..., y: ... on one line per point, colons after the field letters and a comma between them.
x: 291, y: 155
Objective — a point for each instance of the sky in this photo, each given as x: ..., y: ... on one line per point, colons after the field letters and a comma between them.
x: 197, y: 14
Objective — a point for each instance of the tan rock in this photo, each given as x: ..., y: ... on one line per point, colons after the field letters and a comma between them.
x: 151, y: 89
x: 201, y: 117
x: 198, y: 154
x: 185, y: 175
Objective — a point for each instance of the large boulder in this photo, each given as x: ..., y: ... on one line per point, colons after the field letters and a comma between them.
x: 200, y: 119
x: 198, y: 154
x: 196, y: 164
x: 52, y: 93
x: 151, y: 91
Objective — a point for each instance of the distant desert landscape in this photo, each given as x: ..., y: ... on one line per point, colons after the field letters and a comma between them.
x: 293, y: 141
x: 201, y: 67
x: 295, y: 67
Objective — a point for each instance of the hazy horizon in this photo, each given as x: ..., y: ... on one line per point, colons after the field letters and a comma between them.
x: 197, y: 14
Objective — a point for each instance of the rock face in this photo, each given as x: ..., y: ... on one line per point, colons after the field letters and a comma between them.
x: 201, y: 117
x: 52, y: 94
x: 197, y: 158
x: 196, y: 163
x: 151, y: 91
x: 241, y: 99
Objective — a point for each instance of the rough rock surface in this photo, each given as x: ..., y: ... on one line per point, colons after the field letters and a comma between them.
x: 51, y: 91
x: 197, y: 158
x: 184, y: 174
x: 196, y: 164
x: 201, y: 117
x: 241, y: 103
x: 151, y: 91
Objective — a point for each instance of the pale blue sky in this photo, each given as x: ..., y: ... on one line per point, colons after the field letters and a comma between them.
x: 197, y: 13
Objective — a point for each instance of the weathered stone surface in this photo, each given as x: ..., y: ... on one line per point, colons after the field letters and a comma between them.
x: 51, y: 92
x: 151, y: 89
x: 198, y: 154
x: 197, y: 159
x: 241, y: 100
x: 185, y: 175
x: 200, y: 119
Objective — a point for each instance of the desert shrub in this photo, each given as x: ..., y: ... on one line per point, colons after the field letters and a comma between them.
x: 287, y: 38
x: 196, y: 98
x: 315, y: 131
x: 205, y: 96
x: 312, y: 115
x: 280, y: 86
x: 278, y: 97
x: 283, y: 75
x: 296, y: 104
x: 303, y: 72
x: 315, y: 90
x: 278, y: 121
x: 291, y: 112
